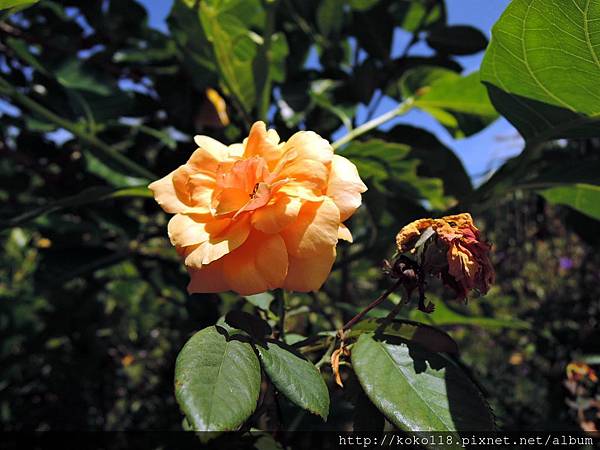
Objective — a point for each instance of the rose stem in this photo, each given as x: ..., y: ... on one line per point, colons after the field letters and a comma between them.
x: 376, y: 302
x: 280, y: 297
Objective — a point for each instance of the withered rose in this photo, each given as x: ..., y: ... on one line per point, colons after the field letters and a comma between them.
x: 456, y: 252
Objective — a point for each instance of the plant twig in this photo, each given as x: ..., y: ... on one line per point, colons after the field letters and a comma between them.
x: 399, y: 110
x: 103, y: 151
x: 372, y: 305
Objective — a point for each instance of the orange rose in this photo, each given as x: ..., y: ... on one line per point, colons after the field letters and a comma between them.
x: 460, y: 256
x: 260, y: 215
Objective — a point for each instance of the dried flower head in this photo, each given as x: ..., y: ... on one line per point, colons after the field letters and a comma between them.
x: 452, y: 248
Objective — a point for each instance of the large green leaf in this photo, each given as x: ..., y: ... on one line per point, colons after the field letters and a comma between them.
x: 418, y: 390
x: 461, y: 104
x: 584, y: 198
x: 543, y: 67
x: 217, y: 381
x: 295, y: 377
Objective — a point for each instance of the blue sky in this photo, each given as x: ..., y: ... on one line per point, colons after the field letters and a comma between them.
x: 481, y: 152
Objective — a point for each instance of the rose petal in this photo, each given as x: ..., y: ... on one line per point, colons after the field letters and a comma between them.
x: 344, y: 233
x: 209, y: 155
x: 305, y: 191
x: 309, y: 274
x: 258, y: 265
x: 194, y: 188
x: 345, y: 186
x: 219, y: 244
x: 262, y: 143
x: 315, y: 230
x: 230, y: 200
x: 309, y: 145
x: 311, y: 173
x: 208, y: 279
x: 184, y: 231
x: 166, y: 195
x: 274, y: 217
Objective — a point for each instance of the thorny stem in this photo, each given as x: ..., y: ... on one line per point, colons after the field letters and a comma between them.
x: 401, y: 109
x: 375, y: 303
x: 396, y: 309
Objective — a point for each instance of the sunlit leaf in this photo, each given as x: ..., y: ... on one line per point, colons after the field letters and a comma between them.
x: 417, y: 390
x: 459, y: 103
x: 217, y: 381
x: 14, y: 6
x: 295, y: 377
x: 235, y: 49
x: 543, y: 68
x: 584, y: 198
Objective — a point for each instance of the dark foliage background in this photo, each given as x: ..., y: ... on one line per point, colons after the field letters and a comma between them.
x: 92, y: 304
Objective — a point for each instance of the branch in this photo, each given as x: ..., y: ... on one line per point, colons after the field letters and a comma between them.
x: 102, y: 150
x: 400, y: 110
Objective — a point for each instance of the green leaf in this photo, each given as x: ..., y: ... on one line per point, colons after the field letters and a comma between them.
x: 21, y: 48
x: 417, y: 390
x: 110, y: 173
x: 262, y: 301
x: 16, y: 5
x: 385, y: 166
x: 75, y: 74
x: 233, y: 45
x: 437, y: 160
x: 330, y: 17
x: 362, y: 5
x: 374, y: 30
x: 457, y: 40
x: 585, y: 198
x: 279, y: 51
x: 198, y: 57
x: 542, y: 68
x: 414, y: 15
x: 461, y: 104
x: 298, y: 379
x: 428, y: 337
x: 217, y: 381
x: 443, y: 315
